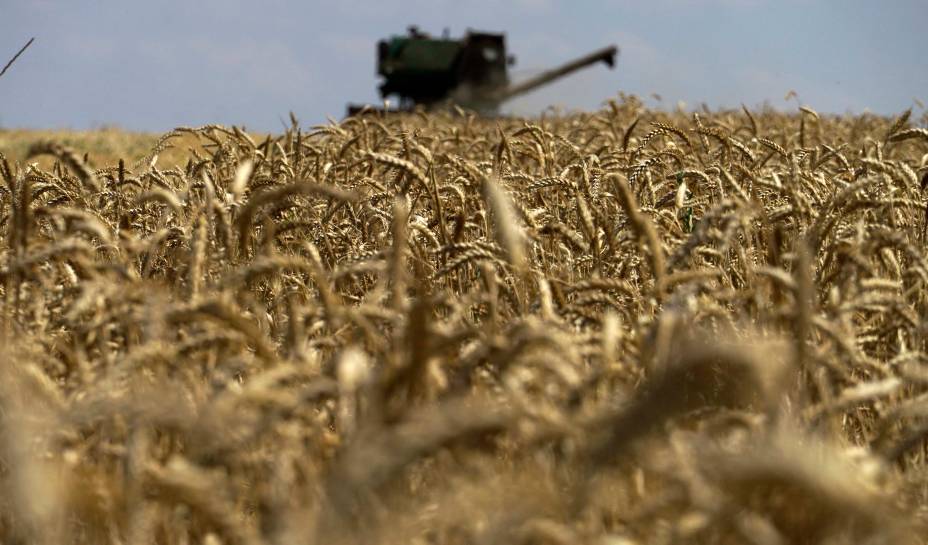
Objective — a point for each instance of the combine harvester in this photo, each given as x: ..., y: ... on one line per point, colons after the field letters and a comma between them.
x: 470, y: 72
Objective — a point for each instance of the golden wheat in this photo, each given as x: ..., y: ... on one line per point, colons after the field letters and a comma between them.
x: 436, y: 328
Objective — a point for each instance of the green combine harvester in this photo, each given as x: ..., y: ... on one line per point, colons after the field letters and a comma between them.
x: 471, y: 72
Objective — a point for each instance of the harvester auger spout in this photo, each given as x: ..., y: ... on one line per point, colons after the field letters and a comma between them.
x: 606, y: 55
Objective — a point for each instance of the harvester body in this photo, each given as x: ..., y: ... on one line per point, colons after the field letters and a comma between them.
x: 471, y: 71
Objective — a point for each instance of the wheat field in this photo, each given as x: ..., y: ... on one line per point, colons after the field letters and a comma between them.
x: 619, y: 327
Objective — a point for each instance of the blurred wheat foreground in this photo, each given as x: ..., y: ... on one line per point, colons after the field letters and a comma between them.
x: 617, y: 327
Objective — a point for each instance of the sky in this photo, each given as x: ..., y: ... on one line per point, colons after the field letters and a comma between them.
x: 157, y: 64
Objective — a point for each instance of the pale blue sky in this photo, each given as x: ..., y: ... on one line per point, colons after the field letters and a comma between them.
x: 156, y: 64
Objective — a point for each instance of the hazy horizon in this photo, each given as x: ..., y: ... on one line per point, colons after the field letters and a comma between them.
x: 107, y: 63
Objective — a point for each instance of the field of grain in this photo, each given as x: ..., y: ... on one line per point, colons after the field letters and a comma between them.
x: 100, y: 147
x: 613, y: 328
